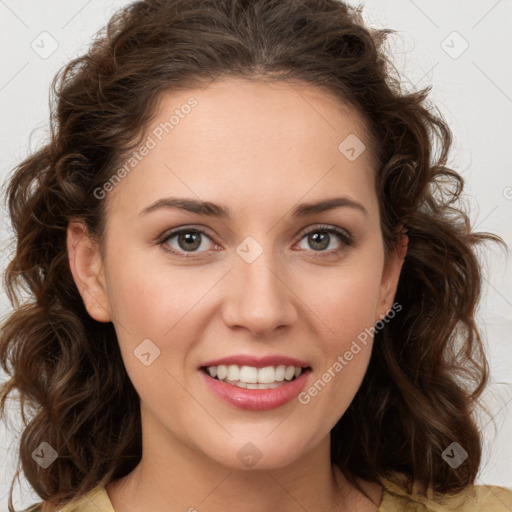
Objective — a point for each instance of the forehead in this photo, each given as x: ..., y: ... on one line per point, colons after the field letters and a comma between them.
x: 246, y: 143
x: 245, y: 108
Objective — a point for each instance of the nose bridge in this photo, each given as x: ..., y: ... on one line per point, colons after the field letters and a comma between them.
x: 259, y: 298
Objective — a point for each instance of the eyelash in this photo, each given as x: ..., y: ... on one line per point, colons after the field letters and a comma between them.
x: 343, y: 236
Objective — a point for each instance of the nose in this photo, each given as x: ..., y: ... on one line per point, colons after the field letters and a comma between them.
x: 258, y: 298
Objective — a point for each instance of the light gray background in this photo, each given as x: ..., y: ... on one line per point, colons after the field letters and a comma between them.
x: 473, y: 90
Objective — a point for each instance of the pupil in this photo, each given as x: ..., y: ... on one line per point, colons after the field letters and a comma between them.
x: 318, y: 240
x: 318, y: 244
x: 190, y: 238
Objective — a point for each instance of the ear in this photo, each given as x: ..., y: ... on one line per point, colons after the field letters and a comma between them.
x: 87, y: 269
x: 391, y: 273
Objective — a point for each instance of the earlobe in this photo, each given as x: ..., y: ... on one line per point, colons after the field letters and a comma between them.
x: 391, y: 272
x: 87, y: 269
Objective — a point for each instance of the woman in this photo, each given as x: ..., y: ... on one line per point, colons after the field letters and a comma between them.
x: 301, y: 354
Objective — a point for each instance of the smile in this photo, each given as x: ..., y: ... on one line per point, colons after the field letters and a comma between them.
x: 255, y: 396
x: 250, y: 377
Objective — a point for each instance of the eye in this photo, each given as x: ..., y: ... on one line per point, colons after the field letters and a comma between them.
x: 320, y: 237
x: 188, y: 240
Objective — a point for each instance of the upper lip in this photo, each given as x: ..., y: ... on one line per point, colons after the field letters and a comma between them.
x: 257, y: 362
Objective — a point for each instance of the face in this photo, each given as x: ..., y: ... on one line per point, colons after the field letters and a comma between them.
x: 187, y: 288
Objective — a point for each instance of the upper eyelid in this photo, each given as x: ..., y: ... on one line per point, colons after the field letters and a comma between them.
x: 175, y: 231
x: 320, y: 227
x: 205, y: 231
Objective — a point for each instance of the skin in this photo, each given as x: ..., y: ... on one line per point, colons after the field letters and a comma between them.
x: 259, y: 149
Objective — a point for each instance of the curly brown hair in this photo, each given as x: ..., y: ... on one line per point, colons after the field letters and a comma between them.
x: 427, y: 369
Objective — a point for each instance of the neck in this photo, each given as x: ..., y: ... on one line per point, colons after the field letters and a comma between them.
x: 173, y: 476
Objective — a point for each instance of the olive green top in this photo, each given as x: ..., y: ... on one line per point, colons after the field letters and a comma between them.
x: 478, y: 498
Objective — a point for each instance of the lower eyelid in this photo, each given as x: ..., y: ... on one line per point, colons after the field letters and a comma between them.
x: 344, y: 237
x: 164, y: 241
x: 341, y: 235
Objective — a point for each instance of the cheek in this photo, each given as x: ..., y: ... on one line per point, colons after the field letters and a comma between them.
x: 353, y: 307
x: 149, y: 299
x: 159, y: 303
x: 345, y: 299
x: 349, y: 314
x: 346, y: 304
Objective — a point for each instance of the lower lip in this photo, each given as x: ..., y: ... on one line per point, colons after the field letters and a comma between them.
x: 257, y: 399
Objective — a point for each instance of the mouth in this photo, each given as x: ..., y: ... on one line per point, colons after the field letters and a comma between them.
x: 255, y: 388
x: 251, y: 377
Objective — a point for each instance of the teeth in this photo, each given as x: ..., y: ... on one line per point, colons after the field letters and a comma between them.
x: 222, y: 371
x: 247, y: 374
x: 279, y: 373
x: 254, y: 378
x: 289, y: 373
x: 266, y: 375
x: 233, y: 372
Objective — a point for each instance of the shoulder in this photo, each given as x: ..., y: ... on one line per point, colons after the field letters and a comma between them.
x: 479, y: 497
x: 95, y: 500
x: 474, y: 498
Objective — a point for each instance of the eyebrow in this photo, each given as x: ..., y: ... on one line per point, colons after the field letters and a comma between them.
x: 214, y: 210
